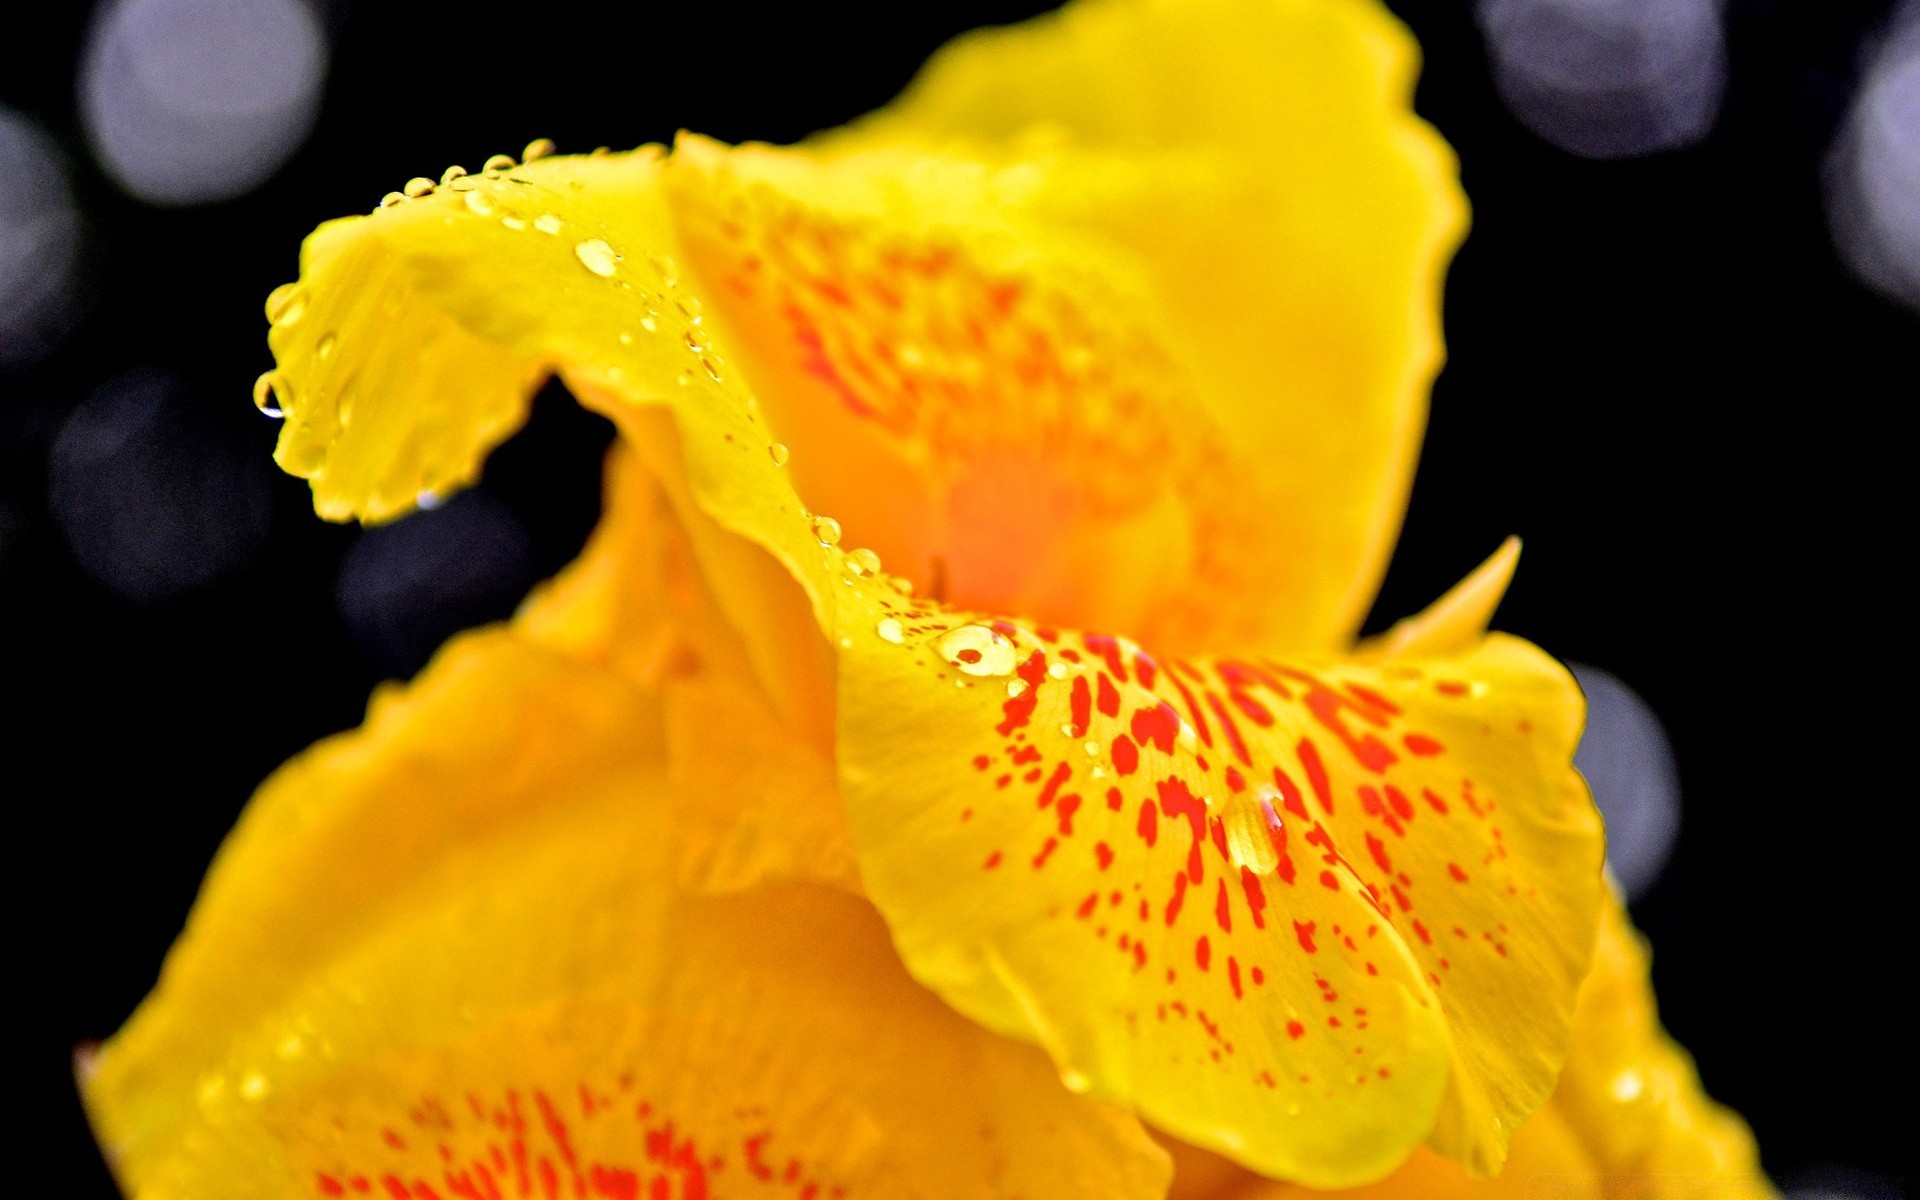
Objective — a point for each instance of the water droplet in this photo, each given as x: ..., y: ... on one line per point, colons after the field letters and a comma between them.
x: 499, y: 162
x: 890, y: 630
x: 417, y: 187
x: 827, y: 530
x: 626, y: 339
x: 979, y: 650
x: 1016, y: 688
x: 863, y: 562
x: 693, y: 341
x: 665, y: 268
x: 451, y: 173
x: 478, y: 204
x: 513, y: 223
x: 600, y: 152
x: 1057, y: 671
x: 779, y: 453
x: 391, y: 199
x: 323, y: 350
x: 547, y: 223
x: 1077, y: 1082
x: 903, y: 586
x: 266, y: 397
x: 598, y: 257
x: 689, y: 307
x: 537, y: 149
x: 286, y: 304
x: 1252, y: 825
x: 647, y: 323
x: 1092, y: 748
x: 712, y: 366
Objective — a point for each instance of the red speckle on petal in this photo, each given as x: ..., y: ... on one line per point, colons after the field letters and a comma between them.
x: 1422, y: 745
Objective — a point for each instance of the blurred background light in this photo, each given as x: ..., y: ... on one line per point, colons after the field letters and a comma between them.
x: 1843, y: 1183
x: 1628, y: 763
x: 39, y: 241
x: 406, y: 587
x: 153, y: 496
x: 1873, y: 173
x: 190, y: 101
x: 1609, y: 78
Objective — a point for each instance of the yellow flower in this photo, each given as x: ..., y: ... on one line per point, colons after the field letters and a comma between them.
x: 1110, y: 340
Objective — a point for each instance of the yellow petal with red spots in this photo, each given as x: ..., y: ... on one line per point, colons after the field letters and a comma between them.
x: 1628, y: 1116
x: 446, y: 956
x: 1302, y: 913
x: 1121, y: 319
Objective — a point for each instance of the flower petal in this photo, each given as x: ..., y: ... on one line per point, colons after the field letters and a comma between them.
x: 335, y: 839
x: 1123, y: 318
x: 1544, y: 1146
x: 1233, y: 891
x: 1630, y: 1090
x: 446, y: 956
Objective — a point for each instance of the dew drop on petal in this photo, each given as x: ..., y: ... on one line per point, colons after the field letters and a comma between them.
x: 537, y: 149
x: 979, y: 650
x: 265, y: 398
x: 863, y: 562
x: 712, y: 367
x: 1251, y: 825
x: 827, y: 530
x: 323, y: 349
x: 391, y: 199
x: 451, y: 173
x: 889, y: 630
x: 1016, y: 688
x: 417, y: 187
x: 499, y: 162
x: 648, y: 324
x: 779, y: 453
x: 596, y: 256
x: 1057, y: 671
x: 286, y: 304
x: 478, y: 204
x: 547, y: 223
x: 513, y: 223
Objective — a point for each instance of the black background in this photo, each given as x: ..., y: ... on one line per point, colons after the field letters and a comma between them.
x: 1660, y: 376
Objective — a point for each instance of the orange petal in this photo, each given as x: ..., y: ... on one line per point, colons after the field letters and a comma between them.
x: 1122, y: 319
x: 1236, y: 891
